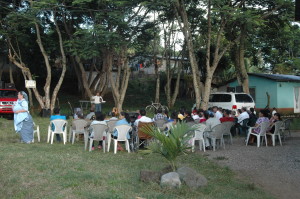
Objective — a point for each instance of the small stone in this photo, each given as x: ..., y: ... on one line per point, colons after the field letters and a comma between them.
x: 191, y: 178
x: 170, y: 180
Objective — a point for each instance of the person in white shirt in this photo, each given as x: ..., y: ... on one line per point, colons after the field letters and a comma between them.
x: 274, y: 111
x: 97, y: 101
x: 144, y: 118
x: 243, y: 115
x: 217, y: 113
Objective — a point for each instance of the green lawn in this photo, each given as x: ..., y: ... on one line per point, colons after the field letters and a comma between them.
x: 41, y: 170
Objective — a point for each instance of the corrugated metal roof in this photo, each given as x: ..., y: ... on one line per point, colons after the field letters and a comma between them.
x: 278, y: 77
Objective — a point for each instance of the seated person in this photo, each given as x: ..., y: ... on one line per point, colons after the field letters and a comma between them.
x: 113, y: 116
x: 159, y: 115
x: 91, y: 115
x: 252, y: 117
x: 195, y: 111
x: 80, y: 117
x: 244, y: 115
x: 205, y: 117
x: 263, y: 117
x: 99, y: 120
x: 143, y: 118
x: 115, y: 111
x: 211, y: 122
x: 273, y: 120
x: 57, y: 115
x: 195, y: 115
x: 124, y: 120
x: 172, y: 121
x: 188, y: 117
x: 227, y: 117
x: 181, y: 114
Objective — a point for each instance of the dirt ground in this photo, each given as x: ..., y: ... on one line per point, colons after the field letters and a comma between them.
x: 275, y: 169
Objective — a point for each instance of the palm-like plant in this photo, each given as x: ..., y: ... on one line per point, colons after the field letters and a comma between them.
x: 170, y: 145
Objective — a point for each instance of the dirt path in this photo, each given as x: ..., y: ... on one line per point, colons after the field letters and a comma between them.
x: 275, y: 169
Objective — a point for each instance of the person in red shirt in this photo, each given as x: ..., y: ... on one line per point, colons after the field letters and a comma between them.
x: 227, y: 117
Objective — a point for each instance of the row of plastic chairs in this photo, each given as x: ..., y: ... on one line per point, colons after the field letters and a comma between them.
x: 216, y: 133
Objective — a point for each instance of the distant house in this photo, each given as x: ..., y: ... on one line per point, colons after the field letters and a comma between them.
x: 283, y: 91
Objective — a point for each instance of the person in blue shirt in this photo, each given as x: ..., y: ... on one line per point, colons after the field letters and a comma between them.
x: 57, y: 115
x: 124, y: 120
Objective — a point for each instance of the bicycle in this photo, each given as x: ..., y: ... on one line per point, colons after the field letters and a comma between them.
x: 153, y: 107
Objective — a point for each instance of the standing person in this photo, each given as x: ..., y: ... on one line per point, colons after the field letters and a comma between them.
x: 57, y: 115
x: 98, y: 100
x: 22, y: 119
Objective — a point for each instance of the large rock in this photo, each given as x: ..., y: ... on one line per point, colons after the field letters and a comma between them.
x: 191, y: 178
x: 150, y: 176
x: 170, y: 180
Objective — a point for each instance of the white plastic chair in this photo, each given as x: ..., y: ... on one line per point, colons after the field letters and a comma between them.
x: 60, y: 127
x: 227, y: 127
x: 111, y: 126
x: 262, y: 133
x: 123, y: 130
x: 217, y: 134
x: 78, y: 128
x: 37, y: 132
x: 286, y: 127
x: 200, y: 128
x: 278, y: 126
x: 99, y: 135
x: 160, y: 124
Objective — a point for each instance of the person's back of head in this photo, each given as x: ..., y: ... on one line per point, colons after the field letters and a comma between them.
x: 56, y: 111
x: 100, y: 116
x: 113, y: 114
x: 80, y: 115
x: 174, y: 115
x: 143, y: 112
x: 244, y: 109
x: 206, y: 114
x: 239, y: 111
x: 159, y: 110
x: 227, y: 112
x: 252, y: 110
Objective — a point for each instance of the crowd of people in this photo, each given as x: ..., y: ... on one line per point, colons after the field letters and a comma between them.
x: 213, y: 116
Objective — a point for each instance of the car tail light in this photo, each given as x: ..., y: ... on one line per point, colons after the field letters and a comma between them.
x: 234, y: 107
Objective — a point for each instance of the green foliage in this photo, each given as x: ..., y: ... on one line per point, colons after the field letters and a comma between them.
x: 172, y: 145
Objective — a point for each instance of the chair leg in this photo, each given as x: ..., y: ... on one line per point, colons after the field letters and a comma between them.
x: 193, y: 145
x: 65, y: 137
x: 266, y: 141
x: 222, y: 142
x: 91, y: 144
x: 73, y: 137
x: 248, y: 136
x: 230, y: 138
x: 214, y: 144
x: 203, y: 144
x: 48, y: 137
x: 103, y: 143
x: 127, y: 143
x: 273, y: 139
x: 115, y: 146
x: 70, y: 134
x: 258, y: 140
x: 86, y: 139
x: 279, y: 138
x: 38, y: 133
x: 52, y: 135
x: 108, y: 142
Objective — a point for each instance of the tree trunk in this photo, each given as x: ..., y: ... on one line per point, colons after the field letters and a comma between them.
x: 83, y: 77
x: 181, y: 11
x: 242, y: 68
x: 64, y: 66
x: 157, y: 87
x: 120, y: 84
x: 11, y: 78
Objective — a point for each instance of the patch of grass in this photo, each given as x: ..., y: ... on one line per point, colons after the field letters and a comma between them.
x: 42, y: 170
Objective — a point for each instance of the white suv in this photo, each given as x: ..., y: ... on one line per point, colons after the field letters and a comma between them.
x: 231, y: 101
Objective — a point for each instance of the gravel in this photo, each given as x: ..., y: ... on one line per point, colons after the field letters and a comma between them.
x: 275, y: 169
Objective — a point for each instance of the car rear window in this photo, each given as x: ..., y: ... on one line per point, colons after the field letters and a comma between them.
x: 8, y: 93
x: 243, y: 98
x: 220, y: 98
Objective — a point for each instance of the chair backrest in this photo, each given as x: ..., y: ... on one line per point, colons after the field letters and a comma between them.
x: 278, y: 125
x: 227, y: 127
x: 287, y: 124
x: 142, y: 125
x: 217, y: 131
x: 99, y: 131
x: 80, y: 124
x: 59, y: 125
x: 263, y: 128
x: 160, y: 123
x: 122, y: 131
x: 197, y: 121
x: 111, y: 125
x: 199, y: 130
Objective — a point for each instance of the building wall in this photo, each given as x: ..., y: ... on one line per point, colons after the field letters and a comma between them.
x: 285, y: 94
x: 262, y: 85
